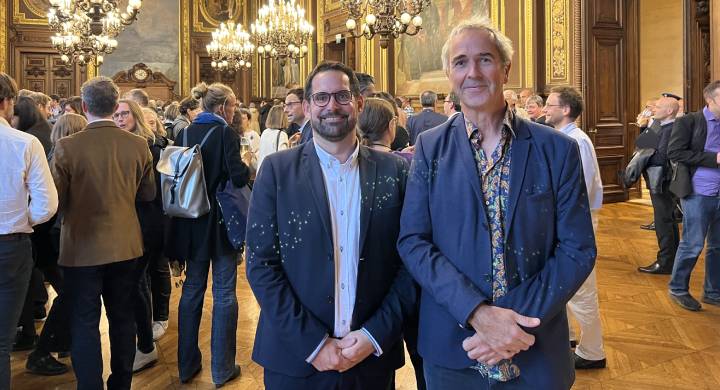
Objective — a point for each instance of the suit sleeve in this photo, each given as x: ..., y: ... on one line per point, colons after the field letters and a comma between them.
x: 298, y: 327
x: 385, y: 325
x: 545, y: 294
x: 60, y: 173
x: 680, y: 144
x: 411, y: 129
x: 435, y: 273
x: 146, y: 189
x: 238, y: 172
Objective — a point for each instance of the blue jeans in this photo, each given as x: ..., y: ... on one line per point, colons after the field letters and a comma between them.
x: 16, y: 264
x: 701, y: 221
x: 224, y: 317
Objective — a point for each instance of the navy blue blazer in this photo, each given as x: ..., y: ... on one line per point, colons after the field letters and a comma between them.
x: 290, y: 264
x: 422, y: 121
x: 550, y: 245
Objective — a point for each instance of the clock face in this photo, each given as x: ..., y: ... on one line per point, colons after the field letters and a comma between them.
x: 140, y: 74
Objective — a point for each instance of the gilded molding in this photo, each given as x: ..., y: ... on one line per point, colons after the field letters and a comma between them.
x: 21, y: 18
x: 495, y: 13
x: 577, y: 44
x: 529, y: 26
x: 3, y: 39
x: 557, y: 44
x: 185, y: 47
x: 320, y: 31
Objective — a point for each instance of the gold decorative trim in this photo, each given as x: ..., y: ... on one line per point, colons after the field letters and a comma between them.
x: 577, y: 44
x: 199, y: 26
x: 320, y: 31
x: 384, y: 70
x: 495, y: 14
x: 21, y: 18
x: 333, y: 6
x: 502, y: 16
x: 557, y: 45
x: 529, y: 26
x: 3, y: 39
x: 185, y: 47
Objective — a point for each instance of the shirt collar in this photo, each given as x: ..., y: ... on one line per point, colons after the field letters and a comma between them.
x: 709, y: 116
x: 102, y: 120
x: 4, y: 122
x: 327, y: 159
x: 666, y: 121
x: 568, y: 128
x: 507, y: 123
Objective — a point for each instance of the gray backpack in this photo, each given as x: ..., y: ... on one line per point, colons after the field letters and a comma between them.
x: 182, y: 179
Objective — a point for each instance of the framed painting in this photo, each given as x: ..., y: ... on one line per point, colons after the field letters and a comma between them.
x: 417, y: 58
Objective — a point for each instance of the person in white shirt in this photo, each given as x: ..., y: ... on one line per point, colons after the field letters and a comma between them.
x: 27, y: 197
x: 562, y: 108
x: 273, y: 139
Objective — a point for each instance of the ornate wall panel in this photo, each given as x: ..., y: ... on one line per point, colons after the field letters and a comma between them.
x: 3, y: 37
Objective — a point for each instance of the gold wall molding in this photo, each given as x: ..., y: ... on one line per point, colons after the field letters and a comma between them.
x: 21, y: 17
x: 557, y: 45
x: 185, y: 47
x: 3, y: 39
x: 529, y: 27
x: 320, y: 31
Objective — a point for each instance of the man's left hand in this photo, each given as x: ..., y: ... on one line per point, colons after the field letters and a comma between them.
x: 356, y: 346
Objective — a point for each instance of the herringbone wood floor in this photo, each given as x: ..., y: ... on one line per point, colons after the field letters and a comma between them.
x: 650, y: 342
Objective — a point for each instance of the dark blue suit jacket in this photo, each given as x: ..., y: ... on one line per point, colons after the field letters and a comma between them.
x: 290, y: 264
x: 422, y: 121
x: 445, y: 244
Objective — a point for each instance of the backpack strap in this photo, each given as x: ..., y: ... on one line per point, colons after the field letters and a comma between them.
x: 277, y: 141
x: 185, y: 143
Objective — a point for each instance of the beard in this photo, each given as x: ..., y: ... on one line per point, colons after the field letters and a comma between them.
x: 335, y: 130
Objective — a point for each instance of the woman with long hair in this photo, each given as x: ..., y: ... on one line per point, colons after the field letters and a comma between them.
x: 153, y: 121
x: 29, y: 119
x: 204, y: 241
x: 73, y: 105
x: 378, y: 123
x: 273, y: 139
x: 129, y: 117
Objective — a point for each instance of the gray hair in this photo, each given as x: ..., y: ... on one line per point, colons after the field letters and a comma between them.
x: 100, y: 95
x: 710, y: 90
x: 428, y: 99
x: 139, y: 96
x: 537, y: 99
x: 503, y: 44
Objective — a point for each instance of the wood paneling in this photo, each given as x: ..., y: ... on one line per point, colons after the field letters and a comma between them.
x: 610, y: 90
x: 661, y: 47
x: 697, y: 52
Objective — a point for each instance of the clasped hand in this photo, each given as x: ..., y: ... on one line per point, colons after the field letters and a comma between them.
x: 498, y: 334
x: 343, y: 354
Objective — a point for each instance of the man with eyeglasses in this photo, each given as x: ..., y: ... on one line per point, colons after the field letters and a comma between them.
x: 451, y: 105
x: 28, y: 198
x: 322, y: 262
x: 299, y: 128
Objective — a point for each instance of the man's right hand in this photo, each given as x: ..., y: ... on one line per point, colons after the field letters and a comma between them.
x: 498, y: 330
x: 330, y: 357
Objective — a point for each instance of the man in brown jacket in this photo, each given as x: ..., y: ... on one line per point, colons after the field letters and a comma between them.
x: 99, y: 172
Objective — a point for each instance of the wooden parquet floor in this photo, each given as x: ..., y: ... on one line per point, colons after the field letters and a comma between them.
x: 650, y: 342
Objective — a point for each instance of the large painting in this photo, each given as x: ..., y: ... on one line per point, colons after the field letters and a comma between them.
x: 147, y: 41
x: 418, y: 57
x: 38, y: 7
x: 221, y: 10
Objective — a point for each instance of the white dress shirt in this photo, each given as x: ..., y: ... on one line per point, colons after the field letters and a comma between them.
x: 27, y: 192
x: 591, y: 169
x: 342, y: 183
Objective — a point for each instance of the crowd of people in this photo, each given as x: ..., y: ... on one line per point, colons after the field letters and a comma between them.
x: 371, y: 227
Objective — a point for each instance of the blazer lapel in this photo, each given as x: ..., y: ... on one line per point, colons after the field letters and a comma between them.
x: 368, y: 173
x: 316, y: 182
x: 518, y: 167
x: 466, y: 154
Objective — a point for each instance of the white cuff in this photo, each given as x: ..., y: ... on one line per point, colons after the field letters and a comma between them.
x: 378, y: 350
x: 317, y: 350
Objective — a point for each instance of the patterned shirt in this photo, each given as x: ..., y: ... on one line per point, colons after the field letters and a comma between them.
x: 494, y: 173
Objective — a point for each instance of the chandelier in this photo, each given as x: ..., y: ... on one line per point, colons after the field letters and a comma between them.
x: 387, y: 18
x: 85, y: 30
x: 230, y: 47
x: 281, y: 30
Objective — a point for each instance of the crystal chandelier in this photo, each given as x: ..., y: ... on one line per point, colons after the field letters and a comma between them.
x: 281, y: 30
x: 85, y: 30
x: 387, y: 18
x: 230, y: 47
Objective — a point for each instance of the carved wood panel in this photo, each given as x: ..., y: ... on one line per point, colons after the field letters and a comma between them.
x: 46, y: 73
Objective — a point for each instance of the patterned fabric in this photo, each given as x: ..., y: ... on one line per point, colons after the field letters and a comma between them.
x: 494, y: 175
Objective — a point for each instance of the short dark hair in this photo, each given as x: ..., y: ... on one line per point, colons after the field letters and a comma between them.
x: 55, y: 97
x: 327, y: 66
x: 365, y: 80
x: 455, y: 101
x: 711, y: 89
x: 428, y: 99
x: 139, y: 96
x: 570, y: 97
x: 297, y: 92
x: 388, y: 98
x: 187, y: 104
x: 100, y: 95
x: 8, y: 87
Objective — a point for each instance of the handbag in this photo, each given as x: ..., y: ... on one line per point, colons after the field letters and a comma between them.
x: 182, y: 180
x: 234, y: 203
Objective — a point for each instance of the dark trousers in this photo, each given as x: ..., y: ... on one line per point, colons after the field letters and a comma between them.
x: 115, y: 283
x: 330, y: 380
x: 15, y: 268
x: 410, y: 335
x: 55, y: 334
x: 143, y: 308
x: 158, y: 277
x: 27, y: 315
x: 666, y: 229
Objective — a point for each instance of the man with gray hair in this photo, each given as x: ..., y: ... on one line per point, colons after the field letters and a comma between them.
x: 427, y: 118
x: 99, y: 173
x: 139, y: 96
x: 496, y: 229
x: 534, y: 107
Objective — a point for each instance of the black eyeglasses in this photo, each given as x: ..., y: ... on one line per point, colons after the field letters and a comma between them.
x: 321, y: 99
